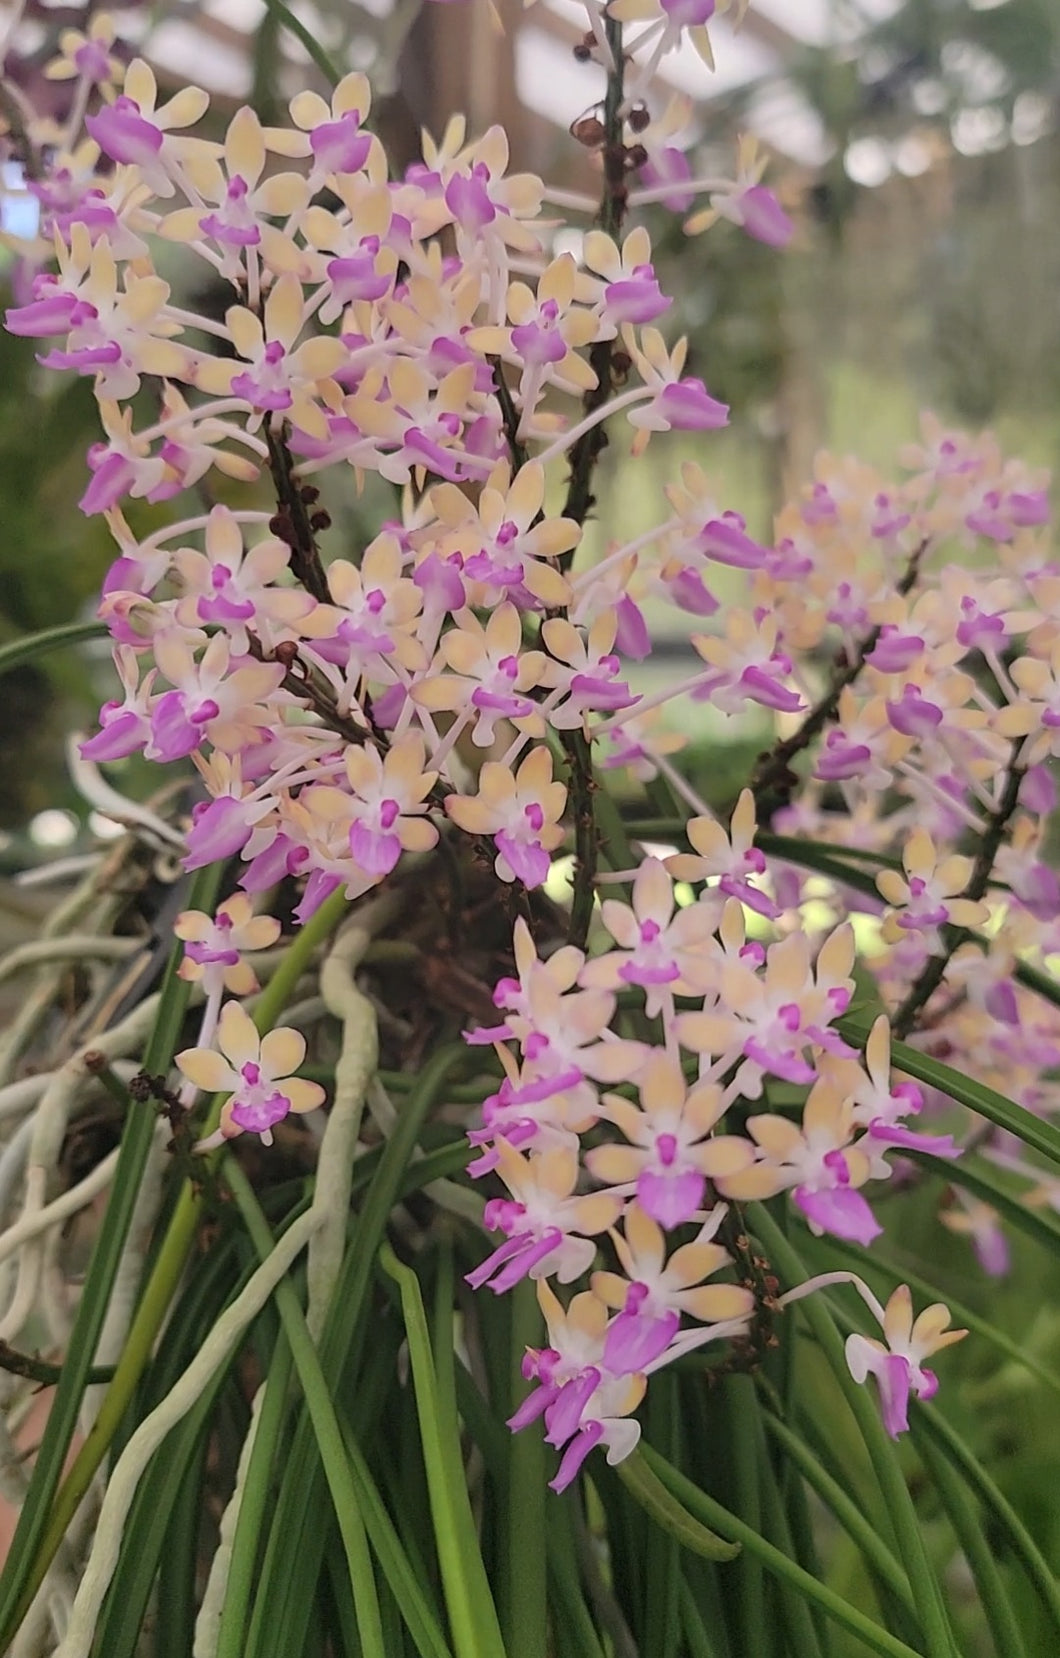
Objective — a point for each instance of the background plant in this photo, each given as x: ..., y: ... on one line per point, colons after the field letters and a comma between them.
x: 420, y: 730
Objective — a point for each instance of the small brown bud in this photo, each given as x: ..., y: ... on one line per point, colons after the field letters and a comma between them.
x: 589, y: 130
x: 310, y: 494
x: 639, y: 117
x: 636, y: 156
x: 320, y: 521
x: 286, y: 653
x: 282, y: 528
x: 582, y: 53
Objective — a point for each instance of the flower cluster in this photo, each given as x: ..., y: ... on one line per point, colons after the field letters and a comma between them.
x: 898, y: 642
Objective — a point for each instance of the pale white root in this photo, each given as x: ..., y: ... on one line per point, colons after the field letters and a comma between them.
x: 354, y: 1071
x: 208, y: 1622
x: 127, y: 1472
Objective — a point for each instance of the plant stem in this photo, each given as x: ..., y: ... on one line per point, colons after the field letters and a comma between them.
x: 774, y: 780
x: 298, y: 528
x: 934, y: 969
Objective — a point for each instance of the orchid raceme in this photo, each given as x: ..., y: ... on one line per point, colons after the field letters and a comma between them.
x: 697, y: 1001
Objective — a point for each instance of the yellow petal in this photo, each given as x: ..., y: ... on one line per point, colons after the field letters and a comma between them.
x: 184, y: 110
x: 282, y: 1051
x: 283, y: 310
x: 140, y: 84
x: 245, y: 330
x: 245, y: 146
x: 308, y: 110
x: 614, y: 1165
x: 714, y: 1302
x: 726, y: 1155
x: 303, y: 1095
x: 236, y: 1036
x: 749, y: 1185
x: 282, y: 194
x: 206, y: 1069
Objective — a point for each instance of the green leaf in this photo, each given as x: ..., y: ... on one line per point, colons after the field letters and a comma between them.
x: 927, y: 1594
x: 964, y: 1518
x: 216, y: 1281
x: 695, y: 1629
x: 662, y: 1555
x: 524, y: 1495
x: 658, y: 1502
x: 740, y: 1449
x: 493, y: 1440
x: 247, y: 1541
x: 178, y: 1566
x: 730, y: 1526
x: 929, y: 1423
x: 406, y: 1586
x: 306, y: 38
x: 846, y: 1511
x: 295, y: 1551
x: 325, y: 1426
x: 800, y: 1627
x: 18, y: 651
x: 472, y: 1614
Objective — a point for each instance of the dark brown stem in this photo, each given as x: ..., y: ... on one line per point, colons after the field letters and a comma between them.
x: 612, y: 212
x: 934, y: 969
x: 774, y: 781
x: 578, y: 750
x: 293, y: 523
x: 40, y: 1371
x: 584, y: 455
x: 509, y: 414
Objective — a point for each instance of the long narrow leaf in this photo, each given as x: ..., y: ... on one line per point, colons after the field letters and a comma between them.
x: 472, y: 1614
x: 981, y: 1180
x: 17, y: 651
x: 247, y: 1539
x: 325, y: 1427
x: 930, y: 1604
x: 524, y: 1497
x: 930, y: 1423
x: 730, y: 1526
x: 657, y: 1501
x: 963, y: 1517
x: 294, y: 1557
x: 800, y: 1628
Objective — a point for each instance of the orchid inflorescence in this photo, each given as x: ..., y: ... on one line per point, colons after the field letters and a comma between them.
x: 694, y: 1047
